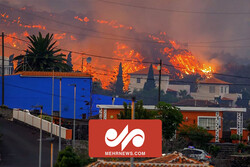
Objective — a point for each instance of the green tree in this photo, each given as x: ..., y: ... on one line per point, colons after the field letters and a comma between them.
x: 140, y: 112
x: 69, y: 60
x: 41, y: 55
x: 171, y: 118
x: 150, y: 83
x: 119, y: 82
x: 184, y: 95
x: 68, y: 158
x: 150, y: 97
x: 199, y: 136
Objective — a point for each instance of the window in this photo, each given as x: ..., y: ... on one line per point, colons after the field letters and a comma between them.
x: 211, y: 89
x: 221, y: 89
x: 207, y: 123
x: 225, y: 89
x: 138, y: 80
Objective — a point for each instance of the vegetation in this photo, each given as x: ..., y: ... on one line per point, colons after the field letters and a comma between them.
x: 46, y: 117
x: 235, y: 137
x: 199, y: 136
x: 42, y: 55
x: 140, y: 112
x: 183, y: 95
x: 171, y: 118
x: 119, y: 82
x: 150, y: 97
x: 150, y: 84
x: 68, y: 158
x: 214, y: 150
x: 83, y: 152
x: 241, y: 147
x: 69, y: 60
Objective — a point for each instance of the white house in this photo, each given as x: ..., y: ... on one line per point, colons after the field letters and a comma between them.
x: 8, y: 69
x: 212, y: 88
x: 138, y: 79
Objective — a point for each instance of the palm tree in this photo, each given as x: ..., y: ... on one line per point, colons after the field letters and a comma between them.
x: 41, y: 55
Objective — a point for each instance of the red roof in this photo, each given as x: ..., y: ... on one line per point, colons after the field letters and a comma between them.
x: 56, y: 74
x: 174, y: 159
x: 225, y: 98
x: 171, y: 90
x: 214, y: 81
x: 145, y: 72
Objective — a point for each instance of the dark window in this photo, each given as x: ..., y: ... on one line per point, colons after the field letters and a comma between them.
x: 211, y: 89
x: 138, y: 80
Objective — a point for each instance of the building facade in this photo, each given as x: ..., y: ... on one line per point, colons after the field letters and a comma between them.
x: 139, y: 78
x: 209, y: 118
x: 28, y: 89
x: 8, y: 67
x: 213, y: 88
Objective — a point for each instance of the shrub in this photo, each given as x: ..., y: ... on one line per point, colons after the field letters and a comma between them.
x: 68, y: 158
x: 235, y: 137
x: 195, y: 134
x: 214, y: 150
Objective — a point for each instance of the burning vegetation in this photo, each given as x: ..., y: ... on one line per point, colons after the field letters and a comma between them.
x: 177, y: 59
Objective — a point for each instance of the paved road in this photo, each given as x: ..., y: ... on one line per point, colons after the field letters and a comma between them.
x: 19, y: 146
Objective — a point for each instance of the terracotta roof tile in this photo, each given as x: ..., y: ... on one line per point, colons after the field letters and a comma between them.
x: 225, y: 98
x: 171, y: 90
x: 145, y: 72
x: 214, y: 81
x: 172, y: 160
x: 56, y: 74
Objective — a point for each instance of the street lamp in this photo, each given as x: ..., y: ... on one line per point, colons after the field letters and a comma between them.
x: 74, y: 122
x: 41, y: 134
x: 60, y: 113
x: 51, y: 130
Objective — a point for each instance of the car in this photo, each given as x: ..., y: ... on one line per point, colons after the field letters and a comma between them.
x: 197, y: 154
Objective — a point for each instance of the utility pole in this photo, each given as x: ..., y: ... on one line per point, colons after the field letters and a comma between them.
x: 60, y: 112
x: 82, y: 64
x: 41, y: 134
x: 51, y: 130
x: 2, y: 68
x: 159, y: 92
x: 74, y: 121
x: 132, y: 117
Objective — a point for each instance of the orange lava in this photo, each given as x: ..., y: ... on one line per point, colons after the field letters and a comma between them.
x: 112, y: 23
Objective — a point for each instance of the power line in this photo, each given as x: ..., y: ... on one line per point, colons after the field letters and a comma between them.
x: 126, y: 38
x: 174, y: 10
x: 117, y: 59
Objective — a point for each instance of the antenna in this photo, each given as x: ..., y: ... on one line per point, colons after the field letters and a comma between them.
x: 89, y: 59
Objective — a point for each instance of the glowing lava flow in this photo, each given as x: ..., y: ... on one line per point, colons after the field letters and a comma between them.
x: 112, y: 23
x: 182, y: 59
x: 17, y: 21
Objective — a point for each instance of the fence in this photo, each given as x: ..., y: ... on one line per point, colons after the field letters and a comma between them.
x: 34, y: 121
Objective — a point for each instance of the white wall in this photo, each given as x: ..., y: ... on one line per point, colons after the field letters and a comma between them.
x: 143, y: 79
x: 35, y: 121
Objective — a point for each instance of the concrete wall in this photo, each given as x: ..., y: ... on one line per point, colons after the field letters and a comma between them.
x: 46, y: 125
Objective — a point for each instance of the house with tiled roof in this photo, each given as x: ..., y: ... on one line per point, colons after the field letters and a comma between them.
x: 172, y: 160
x: 139, y: 78
x: 214, y: 89
x: 8, y: 66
